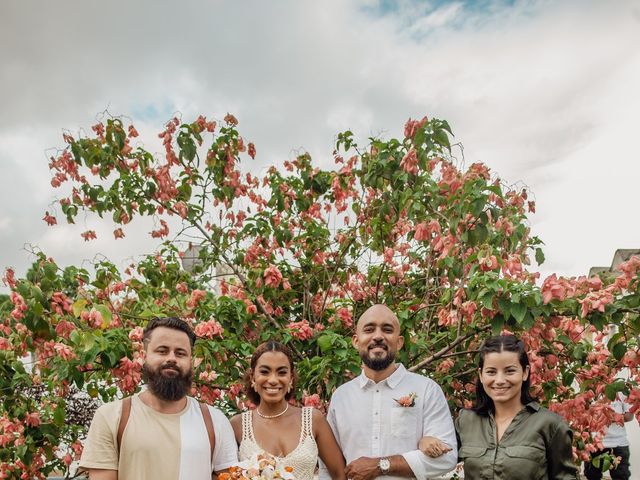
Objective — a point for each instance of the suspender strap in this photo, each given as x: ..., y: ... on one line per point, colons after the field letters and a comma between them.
x: 206, y: 415
x: 124, y: 418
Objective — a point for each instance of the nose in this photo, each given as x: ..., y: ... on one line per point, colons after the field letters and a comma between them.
x: 500, y: 378
x: 171, y: 357
x: 377, y: 334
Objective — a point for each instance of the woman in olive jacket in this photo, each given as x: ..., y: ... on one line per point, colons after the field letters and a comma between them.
x: 507, y: 435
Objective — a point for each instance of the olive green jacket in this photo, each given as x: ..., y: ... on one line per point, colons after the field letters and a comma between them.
x: 535, y: 446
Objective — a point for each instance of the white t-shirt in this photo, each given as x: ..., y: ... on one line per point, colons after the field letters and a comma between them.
x: 616, y: 435
x: 159, y: 446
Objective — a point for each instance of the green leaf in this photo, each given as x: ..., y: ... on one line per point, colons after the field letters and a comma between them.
x: 59, y: 415
x: 567, y: 378
x: 50, y: 270
x: 78, y: 307
x: 539, y: 256
x: 497, y: 324
x: 610, y: 392
x: 325, y: 343
x: 106, y: 315
x: 518, y: 310
x: 505, y: 306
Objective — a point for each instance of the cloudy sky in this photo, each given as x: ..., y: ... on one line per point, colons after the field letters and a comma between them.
x: 544, y: 92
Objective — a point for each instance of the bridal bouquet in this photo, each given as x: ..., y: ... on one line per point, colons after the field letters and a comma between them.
x: 262, y: 466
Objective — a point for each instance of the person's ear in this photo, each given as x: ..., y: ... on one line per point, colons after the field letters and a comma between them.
x: 526, y: 373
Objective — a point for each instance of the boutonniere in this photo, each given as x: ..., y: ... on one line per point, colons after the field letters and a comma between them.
x: 407, y: 400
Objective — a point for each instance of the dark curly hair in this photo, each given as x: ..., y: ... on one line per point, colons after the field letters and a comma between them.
x: 501, y: 343
x: 168, y: 322
x: 268, y: 346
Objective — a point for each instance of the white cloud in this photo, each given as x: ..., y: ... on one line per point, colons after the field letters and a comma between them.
x: 543, y: 92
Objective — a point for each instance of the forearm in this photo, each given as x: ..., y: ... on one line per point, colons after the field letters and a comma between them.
x: 423, y: 466
x: 399, y: 467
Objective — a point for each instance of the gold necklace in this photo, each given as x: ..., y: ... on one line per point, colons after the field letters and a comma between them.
x: 273, y: 416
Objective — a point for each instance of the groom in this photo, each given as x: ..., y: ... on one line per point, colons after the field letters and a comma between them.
x: 379, y: 417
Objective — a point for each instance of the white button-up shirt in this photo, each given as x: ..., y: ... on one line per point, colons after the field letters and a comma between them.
x: 368, y: 422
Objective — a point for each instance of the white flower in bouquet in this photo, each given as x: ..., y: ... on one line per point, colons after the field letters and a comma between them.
x: 261, y: 466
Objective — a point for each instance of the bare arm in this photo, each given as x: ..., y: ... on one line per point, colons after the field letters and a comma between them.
x: 100, y: 474
x: 236, y: 424
x: 328, y: 448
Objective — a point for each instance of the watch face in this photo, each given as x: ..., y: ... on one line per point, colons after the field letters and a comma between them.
x: 385, y: 464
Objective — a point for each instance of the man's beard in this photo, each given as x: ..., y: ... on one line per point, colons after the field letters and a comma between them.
x: 167, y: 388
x: 378, y: 363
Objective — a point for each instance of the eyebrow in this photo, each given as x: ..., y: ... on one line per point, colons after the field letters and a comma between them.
x: 383, y: 324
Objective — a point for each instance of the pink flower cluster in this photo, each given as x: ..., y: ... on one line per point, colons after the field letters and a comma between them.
x: 300, y: 330
x: 19, y: 305
x: 196, y: 297
x: 128, y: 374
x: 209, y: 329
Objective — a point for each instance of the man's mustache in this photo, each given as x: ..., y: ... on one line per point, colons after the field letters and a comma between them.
x: 170, y: 366
x: 378, y: 345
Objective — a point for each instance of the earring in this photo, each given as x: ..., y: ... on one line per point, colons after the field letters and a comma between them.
x: 289, y: 389
x: 253, y: 385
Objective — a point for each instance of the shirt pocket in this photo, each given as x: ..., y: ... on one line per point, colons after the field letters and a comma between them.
x: 526, y: 462
x: 476, y: 464
x: 471, y: 452
x: 403, y: 422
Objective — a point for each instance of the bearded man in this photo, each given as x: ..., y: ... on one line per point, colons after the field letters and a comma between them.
x: 379, y: 417
x: 160, y: 433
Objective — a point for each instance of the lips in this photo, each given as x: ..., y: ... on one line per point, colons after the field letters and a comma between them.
x: 171, y: 369
x: 500, y: 390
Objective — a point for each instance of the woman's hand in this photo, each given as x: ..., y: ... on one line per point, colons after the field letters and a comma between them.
x: 433, y: 447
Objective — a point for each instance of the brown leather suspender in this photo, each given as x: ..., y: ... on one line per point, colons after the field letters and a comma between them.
x: 124, y: 418
x: 126, y: 411
x: 206, y: 415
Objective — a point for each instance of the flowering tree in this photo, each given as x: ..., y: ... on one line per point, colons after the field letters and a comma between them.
x: 298, y: 255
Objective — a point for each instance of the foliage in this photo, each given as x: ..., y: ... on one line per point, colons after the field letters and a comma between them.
x: 298, y: 255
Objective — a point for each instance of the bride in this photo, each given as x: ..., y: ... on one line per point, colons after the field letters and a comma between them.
x: 295, y: 436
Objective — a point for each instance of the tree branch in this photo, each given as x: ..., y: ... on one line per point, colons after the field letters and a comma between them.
x: 439, y: 354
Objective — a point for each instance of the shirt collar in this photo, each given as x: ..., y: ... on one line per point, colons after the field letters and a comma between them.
x: 392, y: 380
x: 535, y: 406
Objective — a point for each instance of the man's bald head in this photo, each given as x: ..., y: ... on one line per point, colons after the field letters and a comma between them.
x: 377, y: 311
x: 377, y: 338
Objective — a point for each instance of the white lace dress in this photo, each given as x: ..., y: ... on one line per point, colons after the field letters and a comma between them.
x: 303, y: 458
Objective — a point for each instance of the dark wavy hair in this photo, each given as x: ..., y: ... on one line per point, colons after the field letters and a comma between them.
x: 268, y: 346
x: 168, y: 322
x: 501, y: 343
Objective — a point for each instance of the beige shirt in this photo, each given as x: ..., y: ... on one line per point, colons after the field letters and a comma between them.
x: 159, y: 446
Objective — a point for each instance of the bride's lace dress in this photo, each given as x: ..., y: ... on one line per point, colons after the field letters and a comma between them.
x: 303, y: 458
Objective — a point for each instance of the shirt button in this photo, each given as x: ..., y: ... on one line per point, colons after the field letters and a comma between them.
x: 377, y: 391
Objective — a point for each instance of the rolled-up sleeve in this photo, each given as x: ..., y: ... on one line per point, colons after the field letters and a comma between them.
x: 560, y: 454
x: 436, y: 422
